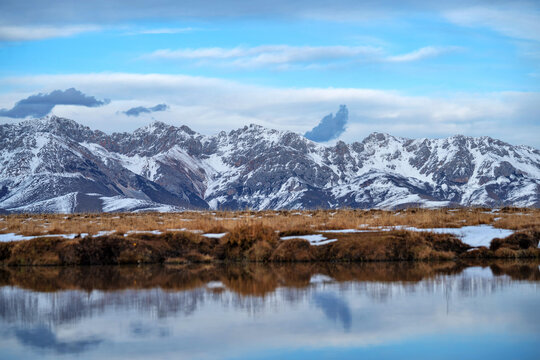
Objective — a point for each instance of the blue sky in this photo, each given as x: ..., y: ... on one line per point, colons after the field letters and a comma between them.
x: 409, y: 68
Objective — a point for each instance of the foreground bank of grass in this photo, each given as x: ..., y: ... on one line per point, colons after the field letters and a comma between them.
x: 258, y: 243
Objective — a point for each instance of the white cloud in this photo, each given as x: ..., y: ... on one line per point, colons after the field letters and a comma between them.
x: 422, y: 53
x: 210, y: 105
x: 522, y: 22
x: 25, y: 33
x: 283, y: 55
x: 265, y: 55
x: 159, y: 31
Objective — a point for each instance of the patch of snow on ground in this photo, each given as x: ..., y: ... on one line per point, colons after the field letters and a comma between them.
x: 344, y: 231
x: 316, y: 239
x: 155, y: 232
x: 214, y: 236
x: 16, y: 237
x: 105, y: 232
x: 478, y: 235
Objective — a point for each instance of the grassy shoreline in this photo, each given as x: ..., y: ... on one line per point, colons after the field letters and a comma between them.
x: 258, y: 243
x: 249, y: 236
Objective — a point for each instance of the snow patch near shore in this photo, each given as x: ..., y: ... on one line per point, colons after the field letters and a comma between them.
x: 478, y: 235
x: 316, y: 239
x: 214, y: 236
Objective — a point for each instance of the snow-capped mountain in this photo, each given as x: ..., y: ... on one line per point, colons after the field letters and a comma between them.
x: 57, y: 165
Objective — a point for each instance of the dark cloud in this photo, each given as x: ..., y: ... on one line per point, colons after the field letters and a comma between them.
x: 330, y: 126
x: 136, y: 111
x: 41, y: 104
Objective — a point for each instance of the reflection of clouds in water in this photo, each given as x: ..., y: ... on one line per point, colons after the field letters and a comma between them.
x: 144, y: 329
x: 200, y: 322
x: 334, y: 308
x: 42, y: 337
x: 18, y: 305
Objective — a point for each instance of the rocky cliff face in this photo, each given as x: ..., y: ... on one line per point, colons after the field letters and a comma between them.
x: 58, y: 165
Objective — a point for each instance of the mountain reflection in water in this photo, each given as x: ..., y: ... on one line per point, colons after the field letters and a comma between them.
x: 271, y: 311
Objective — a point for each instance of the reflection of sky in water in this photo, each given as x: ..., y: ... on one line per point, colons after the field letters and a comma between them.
x: 470, y: 315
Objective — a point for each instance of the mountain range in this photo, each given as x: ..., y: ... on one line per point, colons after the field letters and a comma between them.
x: 57, y: 165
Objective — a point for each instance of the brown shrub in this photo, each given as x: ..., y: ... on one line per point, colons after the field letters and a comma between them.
x: 236, y: 244
x: 294, y: 250
x: 296, y: 232
x: 38, y: 251
x: 447, y: 243
x: 442, y: 255
x: 505, y: 253
x: 246, y: 235
x: 529, y: 253
x: 517, y: 241
x: 217, y: 229
x: 260, y: 251
x: 478, y: 253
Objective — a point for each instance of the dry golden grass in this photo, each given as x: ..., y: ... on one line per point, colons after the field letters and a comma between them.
x: 296, y: 222
x: 257, y: 243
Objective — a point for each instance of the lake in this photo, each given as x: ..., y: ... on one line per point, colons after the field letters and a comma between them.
x: 440, y: 310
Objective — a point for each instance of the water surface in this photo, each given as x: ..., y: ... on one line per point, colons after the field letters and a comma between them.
x: 311, y: 311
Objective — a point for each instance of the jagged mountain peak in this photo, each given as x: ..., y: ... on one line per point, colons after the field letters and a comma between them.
x: 56, y: 164
x: 379, y: 137
x: 52, y: 123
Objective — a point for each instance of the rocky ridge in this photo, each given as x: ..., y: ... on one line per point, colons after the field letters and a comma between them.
x: 57, y: 165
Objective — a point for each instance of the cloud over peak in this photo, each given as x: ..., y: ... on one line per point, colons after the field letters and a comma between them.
x: 41, y: 104
x: 136, y: 111
x: 330, y: 127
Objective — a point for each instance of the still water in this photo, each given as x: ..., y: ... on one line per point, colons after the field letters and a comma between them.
x: 305, y: 311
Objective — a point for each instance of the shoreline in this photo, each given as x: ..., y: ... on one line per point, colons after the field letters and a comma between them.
x: 259, y: 244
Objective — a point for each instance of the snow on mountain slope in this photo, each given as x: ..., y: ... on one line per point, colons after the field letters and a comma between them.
x: 57, y: 165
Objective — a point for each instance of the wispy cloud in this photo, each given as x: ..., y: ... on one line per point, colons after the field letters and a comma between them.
x: 282, y: 55
x: 161, y: 31
x: 211, y: 105
x: 517, y: 19
x: 26, y: 33
x: 514, y: 18
x: 423, y: 53
x: 267, y: 55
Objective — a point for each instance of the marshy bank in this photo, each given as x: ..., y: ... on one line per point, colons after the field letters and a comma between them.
x: 259, y: 243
